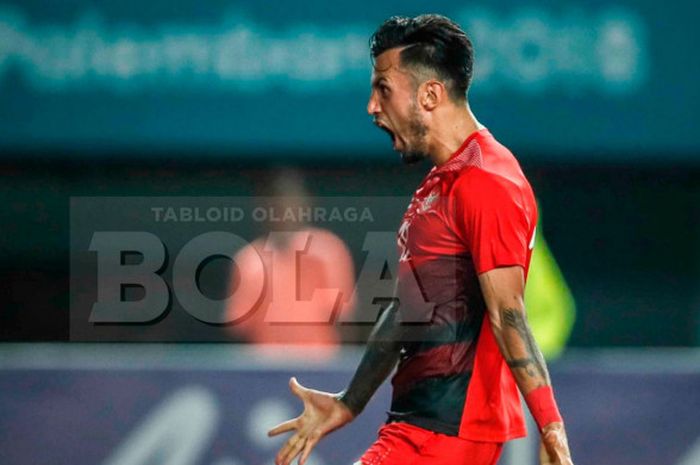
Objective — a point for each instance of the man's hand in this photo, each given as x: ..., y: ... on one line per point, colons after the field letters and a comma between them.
x: 323, y: 413
x: 554, y: 449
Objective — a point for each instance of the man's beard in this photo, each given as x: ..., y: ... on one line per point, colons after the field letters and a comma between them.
x: 413, y: 156
x: 416, y: 149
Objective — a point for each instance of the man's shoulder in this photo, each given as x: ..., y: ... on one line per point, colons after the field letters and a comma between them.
x: 478, y: 188
x: 477, y: 180
x: 498, y: 168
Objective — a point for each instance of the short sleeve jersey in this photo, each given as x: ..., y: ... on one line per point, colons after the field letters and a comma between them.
x: 470, y: 215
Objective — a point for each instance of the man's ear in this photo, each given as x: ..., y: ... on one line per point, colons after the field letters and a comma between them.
x: 432, y: 93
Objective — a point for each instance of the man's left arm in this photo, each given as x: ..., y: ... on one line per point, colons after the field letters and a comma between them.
x: 503, y: 291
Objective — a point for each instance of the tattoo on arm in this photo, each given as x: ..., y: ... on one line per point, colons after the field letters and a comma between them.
x: 380, y: 357
x: 524, y: 363
x: 533, y: 363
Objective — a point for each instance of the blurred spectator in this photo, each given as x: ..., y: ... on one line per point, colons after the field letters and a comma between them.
x: 303, y: 269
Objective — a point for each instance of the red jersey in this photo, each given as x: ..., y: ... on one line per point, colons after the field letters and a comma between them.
x: 267, y: 279
x: 474, y: 213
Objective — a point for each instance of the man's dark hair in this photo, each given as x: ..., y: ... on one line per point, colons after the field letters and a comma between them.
x: 432, y: 42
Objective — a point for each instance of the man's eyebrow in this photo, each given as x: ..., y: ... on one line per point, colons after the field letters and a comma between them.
x: 378, y: 80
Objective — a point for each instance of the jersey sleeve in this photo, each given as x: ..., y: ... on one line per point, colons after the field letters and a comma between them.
x: 491, y: 217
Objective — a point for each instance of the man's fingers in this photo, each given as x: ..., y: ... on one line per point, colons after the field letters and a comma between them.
x: 556, y: 441
x: 288, y: 446
x: 288, y: 425
x: 297, y: 388
x: 557, y: 448
x: 545, y: 457
x: 291, y: 452
x: 310, y: 444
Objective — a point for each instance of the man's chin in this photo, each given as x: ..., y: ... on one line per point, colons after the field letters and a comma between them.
x: 410, y: 158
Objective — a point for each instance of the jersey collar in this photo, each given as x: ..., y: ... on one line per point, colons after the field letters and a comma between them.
x: 468, y: 154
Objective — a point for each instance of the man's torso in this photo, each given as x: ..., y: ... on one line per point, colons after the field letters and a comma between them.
x: 442, y: 249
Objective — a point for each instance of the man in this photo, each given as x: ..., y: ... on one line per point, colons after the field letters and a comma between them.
x: 465, y: 246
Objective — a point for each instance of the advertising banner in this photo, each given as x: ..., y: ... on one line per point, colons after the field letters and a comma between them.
x: 571, y: 80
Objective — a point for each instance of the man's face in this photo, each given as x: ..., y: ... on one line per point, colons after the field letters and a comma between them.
x: 393, y: 105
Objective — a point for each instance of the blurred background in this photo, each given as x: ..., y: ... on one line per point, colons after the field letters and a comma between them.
x: 597, y: 99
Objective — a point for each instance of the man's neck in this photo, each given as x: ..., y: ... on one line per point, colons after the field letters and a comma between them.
x: 453, y: 126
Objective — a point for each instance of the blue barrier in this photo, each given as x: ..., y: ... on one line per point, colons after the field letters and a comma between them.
x: 212, y: 404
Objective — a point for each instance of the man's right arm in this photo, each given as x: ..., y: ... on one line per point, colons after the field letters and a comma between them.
x: 325, y: 412
x: 378, y: 361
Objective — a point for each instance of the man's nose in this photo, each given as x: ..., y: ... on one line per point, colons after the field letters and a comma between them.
x: 372, y: 105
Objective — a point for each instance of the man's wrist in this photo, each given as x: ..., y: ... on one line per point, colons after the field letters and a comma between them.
x: 348, y: 403
x: 555, y: 425
x: 543, y: 407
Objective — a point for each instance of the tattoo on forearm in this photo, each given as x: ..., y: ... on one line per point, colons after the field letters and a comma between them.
x: 525, y: 363
x: 533, y: 363
x: 381, y: 355
x: 377, y: 363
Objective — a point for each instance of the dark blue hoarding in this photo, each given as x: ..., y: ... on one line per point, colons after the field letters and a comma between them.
x: 172, y: 404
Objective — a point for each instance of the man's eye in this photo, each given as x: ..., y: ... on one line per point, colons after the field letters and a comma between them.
x: 384, y: 90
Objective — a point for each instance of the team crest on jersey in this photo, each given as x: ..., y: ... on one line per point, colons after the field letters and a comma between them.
x: 429, y: 201
x: 416, y: 207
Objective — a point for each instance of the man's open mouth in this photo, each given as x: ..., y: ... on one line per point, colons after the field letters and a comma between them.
x: 384, y: 128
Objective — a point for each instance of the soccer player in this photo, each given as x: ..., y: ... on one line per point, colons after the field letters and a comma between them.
x: 465, y: 245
